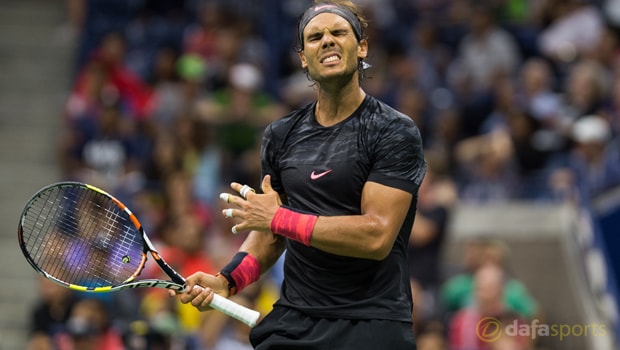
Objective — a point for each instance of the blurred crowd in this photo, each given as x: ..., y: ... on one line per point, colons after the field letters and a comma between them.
x: 515, y: 99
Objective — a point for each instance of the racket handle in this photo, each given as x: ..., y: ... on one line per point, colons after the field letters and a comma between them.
x: 232, y: 309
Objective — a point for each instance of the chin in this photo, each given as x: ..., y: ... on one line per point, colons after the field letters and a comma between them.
x: 338, y: 74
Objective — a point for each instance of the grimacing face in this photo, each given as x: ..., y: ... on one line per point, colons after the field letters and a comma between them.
x: 331, y: 48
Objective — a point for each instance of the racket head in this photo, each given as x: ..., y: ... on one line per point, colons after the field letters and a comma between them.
x: 81, y: 237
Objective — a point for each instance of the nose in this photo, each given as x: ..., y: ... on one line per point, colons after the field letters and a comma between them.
x: 328, y: 40
x: 328, y: 43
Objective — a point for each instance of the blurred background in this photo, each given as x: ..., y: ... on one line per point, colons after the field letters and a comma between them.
x: 163, y: 103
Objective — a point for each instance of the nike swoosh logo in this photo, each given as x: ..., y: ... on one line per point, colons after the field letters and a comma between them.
x: 314, y: 176
x: 320, y: 7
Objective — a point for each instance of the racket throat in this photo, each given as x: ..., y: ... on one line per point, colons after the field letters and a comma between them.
x: 156, y: 284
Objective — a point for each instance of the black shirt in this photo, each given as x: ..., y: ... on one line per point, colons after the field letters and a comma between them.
x: 322, y: 170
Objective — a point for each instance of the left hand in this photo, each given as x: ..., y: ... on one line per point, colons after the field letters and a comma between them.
x: 256, y: 210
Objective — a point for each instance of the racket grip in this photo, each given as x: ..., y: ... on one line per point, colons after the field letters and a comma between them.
x: 232, y: 309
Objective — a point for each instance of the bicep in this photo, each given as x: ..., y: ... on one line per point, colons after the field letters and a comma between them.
x: 387, y: 205
x: 370, y: 235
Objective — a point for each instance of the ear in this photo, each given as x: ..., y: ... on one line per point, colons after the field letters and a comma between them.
x: 302, y: 58
x: 362, y: 49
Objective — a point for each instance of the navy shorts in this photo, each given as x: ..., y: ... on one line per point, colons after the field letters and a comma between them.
x: 290, y: 329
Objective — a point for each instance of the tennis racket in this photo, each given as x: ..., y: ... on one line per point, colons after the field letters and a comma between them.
x: 83, y: 238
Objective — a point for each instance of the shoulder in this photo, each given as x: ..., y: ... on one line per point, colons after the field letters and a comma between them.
x: 380, y: 112
x: 280, y: 128
x: 290, y: 118
x: 382, y: 119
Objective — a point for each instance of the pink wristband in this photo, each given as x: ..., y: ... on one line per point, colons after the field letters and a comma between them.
x: 244, y: 269
x: 293, y: 225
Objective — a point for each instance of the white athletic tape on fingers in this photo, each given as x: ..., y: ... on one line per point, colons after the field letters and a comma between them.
x: 234, y: 229
x: 228, y: 213
x: 225, y: 197
x: 244, y: 191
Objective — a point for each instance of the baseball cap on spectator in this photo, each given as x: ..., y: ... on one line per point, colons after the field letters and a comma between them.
x: 246, y: 76
x: 591, y: 129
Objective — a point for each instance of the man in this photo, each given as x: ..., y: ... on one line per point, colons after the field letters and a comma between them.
x: 339, y: 192
x: 476, y: 326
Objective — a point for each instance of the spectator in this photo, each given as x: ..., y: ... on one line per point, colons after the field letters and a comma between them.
x: 535, y: 91
x: 435, y: 198
x: 487, y: 169
x: 435, y: 56
x: 201, y: 36
x: 486, y: 53
x: 458, y: 292
x: 102, y: 151
x: 128, y: 87
x: 431, y: 335
x: 49, y: 314
x: 584, y: 90
x: 595, y: 164
x: 575, y: 28
x: 239, y: 113
x: 168, y: 97
x: 89, y: 328
x: 489, y: 284
x: 611, y: 109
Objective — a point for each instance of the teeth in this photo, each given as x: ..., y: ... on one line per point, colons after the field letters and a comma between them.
x: 331, y: 59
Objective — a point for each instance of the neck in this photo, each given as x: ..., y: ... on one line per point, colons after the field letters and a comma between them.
x: 335, y: 105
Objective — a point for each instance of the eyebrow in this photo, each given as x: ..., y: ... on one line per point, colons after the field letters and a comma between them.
x: 338, y: 27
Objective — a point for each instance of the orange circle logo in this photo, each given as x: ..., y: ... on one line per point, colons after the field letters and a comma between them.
x: 488, y: 329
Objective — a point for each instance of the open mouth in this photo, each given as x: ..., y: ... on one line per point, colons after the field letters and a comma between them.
x: 331, y: 59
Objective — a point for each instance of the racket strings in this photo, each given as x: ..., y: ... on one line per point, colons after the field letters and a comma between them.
x: 53, y: 245
x: 82, y: 237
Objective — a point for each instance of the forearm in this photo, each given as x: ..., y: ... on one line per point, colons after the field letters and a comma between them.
x: 369, y: 235
x: 362, y: 236
x: 256, y: 255
x: 359, y: 236
x: 265, y: 247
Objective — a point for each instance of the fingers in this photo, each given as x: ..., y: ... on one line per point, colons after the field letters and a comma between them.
x: 231, y: 199
x: 245, y: 205
x: 245, y: 189
x: 198, y: 297
x: 230, y: 212
x: 266, y: 184
x: 203, y: 298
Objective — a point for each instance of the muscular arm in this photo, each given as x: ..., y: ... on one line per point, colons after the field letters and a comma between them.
x: 369, y: 235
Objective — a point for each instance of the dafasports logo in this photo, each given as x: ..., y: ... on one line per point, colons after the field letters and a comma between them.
x: 490, y: 329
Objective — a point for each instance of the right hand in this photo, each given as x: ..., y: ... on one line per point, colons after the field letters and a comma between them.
x: 199, y: 290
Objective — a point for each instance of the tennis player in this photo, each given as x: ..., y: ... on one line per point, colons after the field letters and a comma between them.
x: 339, y: 193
